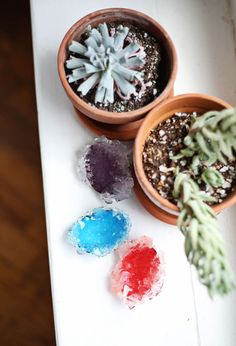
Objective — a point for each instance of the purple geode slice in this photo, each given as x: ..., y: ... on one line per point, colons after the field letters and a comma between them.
x: 105, y: 166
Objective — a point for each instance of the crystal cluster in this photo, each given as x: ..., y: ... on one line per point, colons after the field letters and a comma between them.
x: 138, y: 275
x: 104, y: 165
x: 99, y: 231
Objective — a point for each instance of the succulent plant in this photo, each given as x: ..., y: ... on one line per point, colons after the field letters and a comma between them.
x: 204, y: 245
x: 211, y: 137
x: 105, y: 60
x: 212, y: 177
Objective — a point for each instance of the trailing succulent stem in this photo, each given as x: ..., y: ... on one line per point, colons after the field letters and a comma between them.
x: 106, y: 61
x: 204, y: 245
x: 211, y: 137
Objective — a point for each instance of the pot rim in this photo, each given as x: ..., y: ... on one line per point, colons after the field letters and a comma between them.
x: 138, y: 146
x: 132, y: 115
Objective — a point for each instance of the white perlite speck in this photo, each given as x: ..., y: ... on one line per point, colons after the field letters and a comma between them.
x: 161, y: 133
x: 221, y: 192
x: 224, y: 169
x: 154, y: 92
x: 165, y: 169
x: 226, y: 185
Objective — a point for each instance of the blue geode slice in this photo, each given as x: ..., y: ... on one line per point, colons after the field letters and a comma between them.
x: 105, y: 166
x: 100, y: 231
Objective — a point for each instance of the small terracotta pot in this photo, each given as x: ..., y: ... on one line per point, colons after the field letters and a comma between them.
x: 123, y: 132
x: 149, y: 197
x: 119, y: 15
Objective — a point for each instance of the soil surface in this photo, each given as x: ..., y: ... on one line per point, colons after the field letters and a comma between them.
x: 154, y: 83
x: 167, y: 140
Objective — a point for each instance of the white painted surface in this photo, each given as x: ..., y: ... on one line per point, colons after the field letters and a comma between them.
x: 86, y: 314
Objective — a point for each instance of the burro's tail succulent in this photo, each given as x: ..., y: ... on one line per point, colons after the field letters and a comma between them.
x: 106, y: 61
x: 211, y: 137
x: 204, y: 245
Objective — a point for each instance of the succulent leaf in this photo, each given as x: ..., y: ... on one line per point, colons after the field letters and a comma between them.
x: 80, y: 73
x: 212, y: 177
x: 77, y: 75
x: 120, y: 36
x: 89, y: 83
x: 97, y: 36
x: 204, y: 245
x: 125, y: 87
x: 212, y: 137
x: 129, y: 50
x: 134, y: 62
x: 77, y: 47
x: 104, y: 60
x: 75, y: 62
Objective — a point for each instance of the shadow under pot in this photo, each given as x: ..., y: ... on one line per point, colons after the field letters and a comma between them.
x: 115, y: 66
x: 163, y: 131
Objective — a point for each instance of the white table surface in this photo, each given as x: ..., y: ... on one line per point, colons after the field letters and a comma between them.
x: 85, y: 313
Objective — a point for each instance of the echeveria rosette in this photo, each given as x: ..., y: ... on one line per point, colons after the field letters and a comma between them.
x: 204, y: 245
x: 106, y: 61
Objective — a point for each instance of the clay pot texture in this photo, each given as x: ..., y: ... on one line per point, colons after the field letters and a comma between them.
x: 141, y: 20
x: 123, y: 132
x: 184, y: 103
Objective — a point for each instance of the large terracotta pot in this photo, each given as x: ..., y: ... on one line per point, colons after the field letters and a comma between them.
x: 169, y: 63
x: 148, y: 196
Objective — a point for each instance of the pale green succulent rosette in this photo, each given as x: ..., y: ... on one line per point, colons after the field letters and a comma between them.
x: 107, y: 63
x: 204, y: 245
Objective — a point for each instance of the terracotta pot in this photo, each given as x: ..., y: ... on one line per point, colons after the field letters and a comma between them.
x: 123, y: 132
x: 119, y: 15
x: 148, y: 196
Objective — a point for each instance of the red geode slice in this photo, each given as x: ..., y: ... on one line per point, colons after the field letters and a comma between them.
x: 139, y: 274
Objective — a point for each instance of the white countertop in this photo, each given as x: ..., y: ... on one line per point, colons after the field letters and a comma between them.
x: 85, y: 313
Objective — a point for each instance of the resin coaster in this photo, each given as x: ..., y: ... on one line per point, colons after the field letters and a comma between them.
x: 124, y: 132
x: 139, y: 274
x: 104, y: 165
x: 152, y: 208
x: 100, y: 231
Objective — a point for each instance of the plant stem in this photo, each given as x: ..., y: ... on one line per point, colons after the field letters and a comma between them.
x: 204, y: 245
